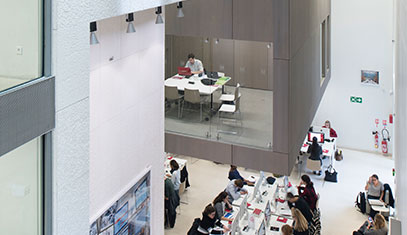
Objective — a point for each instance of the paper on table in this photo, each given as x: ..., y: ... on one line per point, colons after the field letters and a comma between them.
x: 222, y: 81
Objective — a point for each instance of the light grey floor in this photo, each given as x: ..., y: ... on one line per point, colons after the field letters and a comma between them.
x: 256, y: 113
x: 338, y: 213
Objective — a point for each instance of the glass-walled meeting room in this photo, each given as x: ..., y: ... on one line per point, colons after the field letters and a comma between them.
x: 231, y: 100
x: 21, y: 44
x: 21, y: 189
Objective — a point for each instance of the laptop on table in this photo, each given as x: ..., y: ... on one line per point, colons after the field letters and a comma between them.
x: 184, y: 71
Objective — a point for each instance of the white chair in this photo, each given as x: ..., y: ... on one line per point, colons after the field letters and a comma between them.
x: 314, y: 165
x: 230, y: 97
x: 231, y: 109
x: 171, y: 95
x: 192, y: 96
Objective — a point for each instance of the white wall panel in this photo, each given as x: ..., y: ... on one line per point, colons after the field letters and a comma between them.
x: 360, y: 40
x: 126, y: 112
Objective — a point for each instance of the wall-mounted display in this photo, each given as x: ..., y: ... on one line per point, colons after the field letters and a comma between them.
x: 370, y: 77
x: 130, y: 215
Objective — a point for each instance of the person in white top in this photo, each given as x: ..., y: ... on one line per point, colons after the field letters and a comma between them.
x: 195, y: 65
x: 175, y: 175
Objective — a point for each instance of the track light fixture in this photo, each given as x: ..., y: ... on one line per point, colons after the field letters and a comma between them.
x: 206, y: 40
x: 180, y: 13
x: 93, y: 28
x: 130, y: 26
x: 159, y: 19
x: 217, y: 41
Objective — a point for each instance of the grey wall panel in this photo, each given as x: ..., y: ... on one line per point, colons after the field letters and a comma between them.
x: 209, y: 18
x: 281, y: 28
x: 305, y: 15
x: 280, y: 107
x: 261, y: 160
x: 251, y: 64
x: 182, y: 46
x: 223, y: 58
x: 199, y: 148
x: 252, y: 21
x: 305, y: 87
x: 26, y: 112
x: 170, y: 69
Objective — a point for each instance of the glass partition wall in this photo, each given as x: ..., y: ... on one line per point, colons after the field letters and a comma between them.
x: 21, y: 45
x: 21, y: 189
x: 234, y: 107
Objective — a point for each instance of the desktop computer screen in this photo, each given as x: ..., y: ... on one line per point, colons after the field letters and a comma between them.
x: 262, y: 229
x: 320, y: 136
x: 267, y: 212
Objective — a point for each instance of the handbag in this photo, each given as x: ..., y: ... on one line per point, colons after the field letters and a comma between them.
x: 338, y: 155
x: 331, y: 175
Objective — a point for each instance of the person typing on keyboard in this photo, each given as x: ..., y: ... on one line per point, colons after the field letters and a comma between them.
x: 195, y: 65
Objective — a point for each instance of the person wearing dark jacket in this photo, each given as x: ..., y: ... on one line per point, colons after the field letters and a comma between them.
x: 234, y: 174
x: 209, y: 221
x: 315, y: 152
x: 300, y: 204
x: 171, y: 203
x: 306, y: 190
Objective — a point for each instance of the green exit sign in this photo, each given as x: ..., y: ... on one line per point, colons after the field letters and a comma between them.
x: 354, y: 99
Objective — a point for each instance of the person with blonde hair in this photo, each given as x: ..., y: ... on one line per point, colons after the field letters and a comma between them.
x: 377, y: 227
x: 287, y: 230
x: 300, y: 223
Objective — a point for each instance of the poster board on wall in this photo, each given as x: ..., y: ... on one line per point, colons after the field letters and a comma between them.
x: 130, y: 214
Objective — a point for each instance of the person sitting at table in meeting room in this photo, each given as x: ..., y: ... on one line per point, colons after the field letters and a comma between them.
x: 209, y: 221
x: 316, y: 151
x: 300, y: 223
x: 332, y: 132
x: 195, y: 65
x: 235, y: 189
x: 377, y: 227
x: 300, y: 204
x: 175, y: 175
x: 234, y: 174
x: 306, y: 190
x: 221, y: 204
x: 287, y: 230
x: 375, y: 188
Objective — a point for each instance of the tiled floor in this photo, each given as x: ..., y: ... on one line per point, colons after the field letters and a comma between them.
x: 339, y: 216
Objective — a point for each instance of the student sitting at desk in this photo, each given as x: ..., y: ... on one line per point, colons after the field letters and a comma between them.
x: 300, y: 223
x: 234, y: 174
x: 235, y: 189
x: 221, y: 203
x: 332, y: 132
x: 375, y: 188
x: 209, y: 221
x: 316, y: 151
x: 194, y: 64
x: 300, y: 204
x: 306, y: 190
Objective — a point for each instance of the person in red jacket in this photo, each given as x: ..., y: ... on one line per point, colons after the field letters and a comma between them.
x: 306, y: 190
x: 332, y: 132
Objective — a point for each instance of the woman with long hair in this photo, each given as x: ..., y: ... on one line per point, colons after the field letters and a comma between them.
x: 209, y: 221
x: 300, y: 223
x: 377, y: 227
x: 221, y: 204
x: 306, y: 190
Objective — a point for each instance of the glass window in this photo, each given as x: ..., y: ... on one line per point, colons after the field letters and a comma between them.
x: 21, y: 190
x: 21, y: 44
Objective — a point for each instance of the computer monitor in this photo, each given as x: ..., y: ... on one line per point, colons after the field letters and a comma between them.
x: 243, y: 207
x: 262, y: 229
x: 267, y: 212
x: 235, y: 225
x: 256, y: 188
x: 320, y: 136
x: 184, y: 71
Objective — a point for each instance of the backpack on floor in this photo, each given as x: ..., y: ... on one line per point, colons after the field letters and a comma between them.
x: 194, y: 228
x: 361, y: 202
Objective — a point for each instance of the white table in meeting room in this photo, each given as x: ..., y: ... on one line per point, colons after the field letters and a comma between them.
x: 195, y: 82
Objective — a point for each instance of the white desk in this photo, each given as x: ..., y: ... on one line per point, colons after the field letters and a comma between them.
x: 181, y: 83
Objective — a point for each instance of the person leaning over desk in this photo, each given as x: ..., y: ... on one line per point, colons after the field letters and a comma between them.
x: 235, y: 189
x: 221, y: 203
x: 195, y: 65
